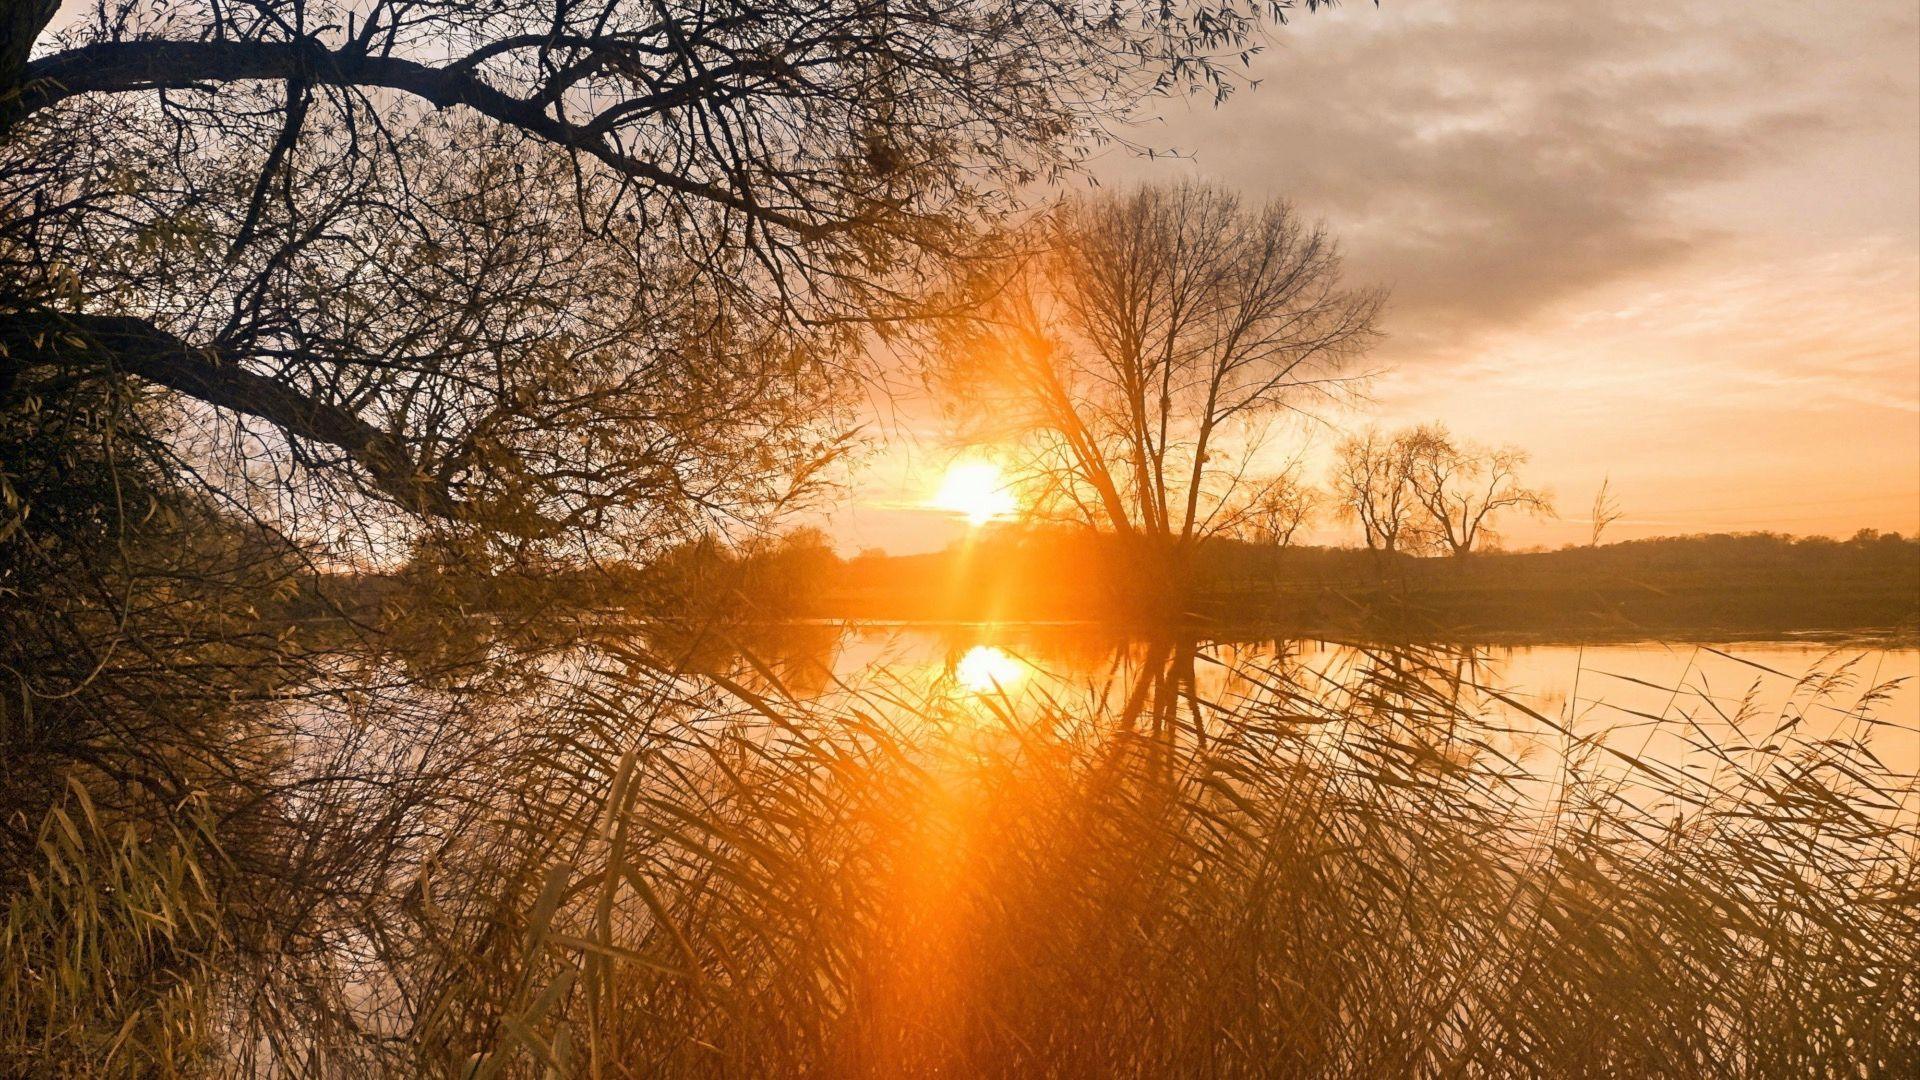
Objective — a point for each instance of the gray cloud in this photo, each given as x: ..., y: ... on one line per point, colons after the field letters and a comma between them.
x: 1485, y: 159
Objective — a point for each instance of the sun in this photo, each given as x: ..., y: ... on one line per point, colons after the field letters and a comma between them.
x: 974, y: 489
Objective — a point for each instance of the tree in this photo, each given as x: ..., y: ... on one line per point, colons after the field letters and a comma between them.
x: 509, y: 266
x: 1139, y: 359
x: 1464, y: 487
x: 1277, y: 509
x: 1372, y: 483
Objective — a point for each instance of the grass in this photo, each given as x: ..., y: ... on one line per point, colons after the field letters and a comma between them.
x: 112, y: 949
x: 1194, y: 872
x: 1347, y: 880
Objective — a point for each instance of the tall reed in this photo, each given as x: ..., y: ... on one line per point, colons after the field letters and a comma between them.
x: 1358, y: 877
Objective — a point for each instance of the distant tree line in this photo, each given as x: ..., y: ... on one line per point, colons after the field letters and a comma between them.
x: 1751, y: 582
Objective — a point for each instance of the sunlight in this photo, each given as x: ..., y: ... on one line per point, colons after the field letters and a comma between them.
x: 986, y: 668
x: 975, y: 489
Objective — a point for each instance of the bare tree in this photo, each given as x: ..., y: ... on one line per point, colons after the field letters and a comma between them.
x: 1372, y: 484
x: 1140, y: 359
x: 1606, y: 511
x: 1277, y: 509
x: 1464, y: 487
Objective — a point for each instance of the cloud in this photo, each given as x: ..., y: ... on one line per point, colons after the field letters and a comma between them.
x: 1487, y: 158
x: 1819, y: 332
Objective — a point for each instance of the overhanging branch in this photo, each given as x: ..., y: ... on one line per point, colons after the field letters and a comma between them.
x: 134, y: 66
x: 142, y: 349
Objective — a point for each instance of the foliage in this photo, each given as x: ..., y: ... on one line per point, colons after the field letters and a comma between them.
x: 767, y: 577
x: 512, y: 268
x: 114, y: 949
x: 293, y: 291
x: 479, y: 295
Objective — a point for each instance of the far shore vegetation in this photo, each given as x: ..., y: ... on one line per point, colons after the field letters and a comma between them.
x: 1702, y: 587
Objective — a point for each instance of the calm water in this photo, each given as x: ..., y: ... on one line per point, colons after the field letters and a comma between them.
x: 1643, y: 697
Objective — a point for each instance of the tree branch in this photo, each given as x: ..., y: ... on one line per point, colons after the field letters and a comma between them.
x: 215, y: 377
x: 133, y: 66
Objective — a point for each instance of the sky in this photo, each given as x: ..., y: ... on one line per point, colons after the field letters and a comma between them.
x: 1674, y: 246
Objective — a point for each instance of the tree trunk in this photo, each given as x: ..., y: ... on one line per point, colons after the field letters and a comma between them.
x: 21, y: 24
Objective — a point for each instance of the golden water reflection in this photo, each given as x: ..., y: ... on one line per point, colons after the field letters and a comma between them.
x: 988, y: 669
x: 1641, y: 697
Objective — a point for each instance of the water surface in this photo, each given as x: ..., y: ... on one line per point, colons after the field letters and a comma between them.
x: 1647, y: 697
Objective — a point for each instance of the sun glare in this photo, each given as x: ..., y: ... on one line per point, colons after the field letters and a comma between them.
x: 974, y: 489
x: 985, y: 668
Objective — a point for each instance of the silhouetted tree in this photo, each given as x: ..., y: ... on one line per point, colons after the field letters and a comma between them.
x: 297, y: 285
x: 1277, y: 509
x: 1465, y: 487
x: 1139, y: 359
x: 1372, y: 482
x: 513, y: 265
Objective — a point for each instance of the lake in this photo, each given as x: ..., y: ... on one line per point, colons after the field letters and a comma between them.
x: 1643, y: 697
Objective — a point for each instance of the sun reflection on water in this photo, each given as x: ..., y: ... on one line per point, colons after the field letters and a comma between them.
x: 986, y: 668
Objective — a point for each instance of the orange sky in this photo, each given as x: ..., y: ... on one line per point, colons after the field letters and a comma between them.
x: 1677, y: 244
